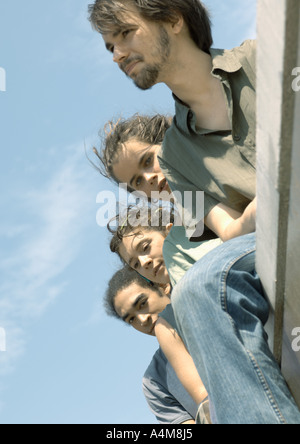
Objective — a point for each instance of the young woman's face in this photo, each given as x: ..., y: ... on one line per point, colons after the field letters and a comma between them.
x: 138, y: 167
x: 140, y: 306
x: 143, y: 251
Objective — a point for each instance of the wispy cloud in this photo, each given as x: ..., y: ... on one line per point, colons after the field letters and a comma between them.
x: 33, y: 270
x: 234, y: 21
x: 85, y: 47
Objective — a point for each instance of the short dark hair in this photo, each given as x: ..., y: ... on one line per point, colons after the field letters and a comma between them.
x: 146, y: 129
x: 121, y: 280
x: 107, y: 14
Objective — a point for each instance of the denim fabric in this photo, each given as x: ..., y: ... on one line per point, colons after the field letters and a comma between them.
x: 220, y: 310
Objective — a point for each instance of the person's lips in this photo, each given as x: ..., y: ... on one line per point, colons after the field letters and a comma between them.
x: 130, y: 67
x: 163, y: 185
x: 152, y: 328
x: 158, y: 268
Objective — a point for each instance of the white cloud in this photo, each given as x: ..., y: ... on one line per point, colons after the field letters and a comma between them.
x: 33, y: 270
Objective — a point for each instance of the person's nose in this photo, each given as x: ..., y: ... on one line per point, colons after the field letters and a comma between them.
x: 120, y: 54
x: 145, y: 261
x: 151, y: 178
x: 144, y: 319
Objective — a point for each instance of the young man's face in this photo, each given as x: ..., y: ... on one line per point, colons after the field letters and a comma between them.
x: 140, y: 306
x: 143, y: 251
x: 141, y: 49
x: 138, y: 166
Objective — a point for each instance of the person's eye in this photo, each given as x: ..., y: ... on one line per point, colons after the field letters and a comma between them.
x: 136, y: 265
x: 125, y: 33
x: 146, y: 246
x: 131, y: 320
x: 143, y: 303
x: 138, y: 182
x: 148, y: 161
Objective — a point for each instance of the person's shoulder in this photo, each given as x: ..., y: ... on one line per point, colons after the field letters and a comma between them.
x: 246, y: 51
x: 244, y: 57
x: 175, y: 236
x: 247, y: 47
x: 157, y: 362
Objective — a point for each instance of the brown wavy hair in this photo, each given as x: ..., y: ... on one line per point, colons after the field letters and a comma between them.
x: 146, y: 129
x: 106, y: 15
x: 143, y: 218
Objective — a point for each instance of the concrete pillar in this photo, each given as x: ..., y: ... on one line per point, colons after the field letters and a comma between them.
x: 278, y: 173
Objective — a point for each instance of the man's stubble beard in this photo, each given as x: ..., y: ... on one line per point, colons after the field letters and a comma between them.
x: 148, y: 77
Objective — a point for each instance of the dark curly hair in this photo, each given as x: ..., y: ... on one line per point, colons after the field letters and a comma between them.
x: 122, y: 279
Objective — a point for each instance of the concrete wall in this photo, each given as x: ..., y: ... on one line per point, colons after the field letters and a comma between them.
x: 291, y: 357
x: 278, y: 172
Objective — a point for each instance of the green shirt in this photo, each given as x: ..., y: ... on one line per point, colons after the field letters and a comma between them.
x: 180, y: 254
x: 220, y: 163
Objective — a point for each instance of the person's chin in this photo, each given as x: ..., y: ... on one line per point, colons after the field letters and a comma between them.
x: 165, y: 278
x: 142, y: 82
x: 141, y: 86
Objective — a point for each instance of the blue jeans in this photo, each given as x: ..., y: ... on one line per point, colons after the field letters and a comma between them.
x: 220, y: 310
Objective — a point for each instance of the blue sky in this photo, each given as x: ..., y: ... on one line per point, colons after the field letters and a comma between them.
x: 65, y: 361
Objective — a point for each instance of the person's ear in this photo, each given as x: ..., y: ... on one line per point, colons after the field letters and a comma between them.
x: 168, y: 228
x: 178, y: 23
x: 166, y: 289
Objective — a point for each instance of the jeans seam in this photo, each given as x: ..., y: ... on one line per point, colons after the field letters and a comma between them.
x: 266, y: 387
x: 262, y: 379
x: 224, y: 276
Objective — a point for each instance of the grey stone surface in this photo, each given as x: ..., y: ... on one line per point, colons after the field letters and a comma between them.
x: 278, y: 173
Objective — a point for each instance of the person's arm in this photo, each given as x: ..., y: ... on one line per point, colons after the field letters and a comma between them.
x: 228, y: 223
x: 181, y: 361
